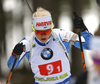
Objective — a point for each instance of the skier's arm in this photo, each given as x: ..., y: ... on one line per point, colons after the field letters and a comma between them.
x: 12, y: 59
x: 85, y: 40
x: 79, y: 25
x: 19, y: 51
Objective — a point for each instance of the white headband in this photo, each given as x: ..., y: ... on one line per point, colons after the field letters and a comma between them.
x: 42, y: 23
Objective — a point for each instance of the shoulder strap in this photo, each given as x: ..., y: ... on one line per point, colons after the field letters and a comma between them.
x: 31, y: 38
x: 59, y: 42
x: 73, y: 39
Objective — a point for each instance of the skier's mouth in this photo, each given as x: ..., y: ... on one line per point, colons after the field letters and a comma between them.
x: 43, y: 39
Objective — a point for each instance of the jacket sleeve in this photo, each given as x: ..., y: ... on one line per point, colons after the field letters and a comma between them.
x: 85, y: 44
x: 12, y: 59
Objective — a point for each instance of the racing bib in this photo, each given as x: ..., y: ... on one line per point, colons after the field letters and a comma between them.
x: 50, y: 68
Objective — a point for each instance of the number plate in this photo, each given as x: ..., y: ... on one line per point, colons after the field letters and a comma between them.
x: 50, y: 68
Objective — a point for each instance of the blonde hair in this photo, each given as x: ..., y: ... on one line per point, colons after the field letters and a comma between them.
x: 41, y: 12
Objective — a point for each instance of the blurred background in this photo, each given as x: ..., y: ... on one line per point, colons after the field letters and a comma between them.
x: 15, y: 23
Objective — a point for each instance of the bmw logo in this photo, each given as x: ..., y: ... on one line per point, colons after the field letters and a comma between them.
x: 47, y: 53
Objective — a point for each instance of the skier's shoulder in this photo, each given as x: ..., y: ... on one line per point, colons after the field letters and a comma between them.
x: 30, y: 36
x: 62, y: 31
x: 64, y: 34
x: 27, y: 41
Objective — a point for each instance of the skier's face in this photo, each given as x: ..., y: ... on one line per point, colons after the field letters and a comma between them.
x: 43, y: 35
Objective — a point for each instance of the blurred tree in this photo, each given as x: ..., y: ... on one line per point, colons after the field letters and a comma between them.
x: 2, y: 31
x: 98, y: 2
x: 97, y: 33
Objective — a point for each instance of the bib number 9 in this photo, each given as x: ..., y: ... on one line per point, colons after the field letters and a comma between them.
x: 50, y: 68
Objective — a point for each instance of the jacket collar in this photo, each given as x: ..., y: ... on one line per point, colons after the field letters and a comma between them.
x: 40, y: 43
